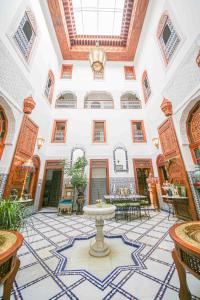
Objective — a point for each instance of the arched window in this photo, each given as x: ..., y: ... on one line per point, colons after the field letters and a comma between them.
x: 130, y: 101
x: 167, y: 37
x: 66, y: 100
x: 99, y: 100
x: 146, y: 86
x: 49, y: 88
x: 3, y: 130
x: 26, y: 33
x: 193, y: 130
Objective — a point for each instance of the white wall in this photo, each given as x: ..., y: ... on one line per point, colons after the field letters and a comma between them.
x: 179, y: 82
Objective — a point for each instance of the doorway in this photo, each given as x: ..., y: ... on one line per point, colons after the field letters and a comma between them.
x: 99, y: 180
x: 142, y: 169
x: 52, y: 184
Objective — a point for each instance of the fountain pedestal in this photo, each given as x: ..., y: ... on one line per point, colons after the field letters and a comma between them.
x: 99, y: 248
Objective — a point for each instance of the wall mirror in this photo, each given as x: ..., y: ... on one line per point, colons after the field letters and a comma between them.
x: 120, y: 158
x: 76, y: 153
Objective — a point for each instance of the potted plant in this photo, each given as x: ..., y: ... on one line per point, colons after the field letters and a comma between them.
x: 78, y: 180
x: 11, y: 215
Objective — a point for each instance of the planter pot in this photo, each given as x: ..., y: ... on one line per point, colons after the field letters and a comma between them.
x: 80, y: 203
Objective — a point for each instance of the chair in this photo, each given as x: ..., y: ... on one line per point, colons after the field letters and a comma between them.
x: 65, y: 205
x: 144, y: 204
x: 134, y: 210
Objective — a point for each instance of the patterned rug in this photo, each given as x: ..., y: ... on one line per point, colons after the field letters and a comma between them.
x: 55, y: 263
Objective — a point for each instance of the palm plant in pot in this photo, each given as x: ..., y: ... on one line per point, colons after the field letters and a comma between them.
x: 78, y: 180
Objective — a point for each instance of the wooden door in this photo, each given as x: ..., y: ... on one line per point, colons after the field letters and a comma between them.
x: 175, y: 164
x: 24, y: 150
x: 99, y: 164
x: 142, y: 169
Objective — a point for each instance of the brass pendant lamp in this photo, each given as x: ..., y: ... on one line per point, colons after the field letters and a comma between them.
x: 97, y: 58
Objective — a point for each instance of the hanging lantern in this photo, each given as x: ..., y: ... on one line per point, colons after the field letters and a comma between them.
x: 97, y: 58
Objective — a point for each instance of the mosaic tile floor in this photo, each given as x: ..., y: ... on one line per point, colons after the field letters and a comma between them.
x: 55, y: 263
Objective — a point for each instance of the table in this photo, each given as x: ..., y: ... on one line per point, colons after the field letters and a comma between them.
x: 121, y: 198
x: 180, y: 206
x: 11, y: 241
x: 99, y: 212
x: 186, y: 255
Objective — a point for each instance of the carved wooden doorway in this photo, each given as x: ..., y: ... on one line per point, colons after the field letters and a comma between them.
x: 175, y: 166
x: 99, y: 179
x: 162, y: 171
x: 193, y: 130
x: 24, y: 150
x: 52, y: 183
x: 142, y: 169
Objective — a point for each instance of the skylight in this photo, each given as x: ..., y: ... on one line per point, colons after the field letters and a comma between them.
x: 98, y: 17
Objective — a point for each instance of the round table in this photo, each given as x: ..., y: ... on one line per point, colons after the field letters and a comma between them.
x: 186, y: 255
x: 100, y: 213
x: 10, y: 242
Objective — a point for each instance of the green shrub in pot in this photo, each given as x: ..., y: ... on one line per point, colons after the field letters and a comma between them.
x: 11, y: 215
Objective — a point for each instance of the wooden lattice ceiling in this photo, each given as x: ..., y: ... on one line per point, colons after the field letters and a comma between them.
x: 118, y: 48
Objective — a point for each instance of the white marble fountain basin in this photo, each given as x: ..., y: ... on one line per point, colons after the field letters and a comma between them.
x: 107, y: 211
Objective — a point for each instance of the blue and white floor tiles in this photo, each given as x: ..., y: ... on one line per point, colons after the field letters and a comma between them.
x: 55, y: 263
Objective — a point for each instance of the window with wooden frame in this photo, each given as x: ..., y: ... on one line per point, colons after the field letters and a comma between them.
x: 129, y: 73
x: 168, y: 37
x: 49, y: 88
x: 138, y: 131
x: 66, y: 71
x: 99, y: 131
x: 3, y: 130
x: 98, y: 75
x: 26, y: 34
x: 146, y: 86
x: 59, y: 131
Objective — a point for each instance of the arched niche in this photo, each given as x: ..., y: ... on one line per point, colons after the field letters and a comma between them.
x: 98, y: 100
x: 66, y: 99
x: 120, y: 159
x: 76, y: 153
x: 130, y: 100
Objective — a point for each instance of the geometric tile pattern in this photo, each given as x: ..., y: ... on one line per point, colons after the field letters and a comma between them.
x: 40, y: 276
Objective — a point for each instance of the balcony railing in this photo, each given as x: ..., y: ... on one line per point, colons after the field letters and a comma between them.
x: 95, y: 104
x: 65, y: 103
x: 126, y: 104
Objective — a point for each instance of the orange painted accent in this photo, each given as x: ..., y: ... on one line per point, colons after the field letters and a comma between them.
x: 143, y: 131
x: 54, y: 131
x: 144, y: 76
x: 101, y: 163
x: 166, y: 107
x: 176, y: 167
x: 142, y: 163
x: 129, y: 71
x: 104, y: 128
x: 193, y: 130
x: 66, y: 69
x: 198, y: 59
x: 57, y: 165
x: 70, y: 52
x: 29, y: 105
x: 24, y: 150
x: 2, y: 142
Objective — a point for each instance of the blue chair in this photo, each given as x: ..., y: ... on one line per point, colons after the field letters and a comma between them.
x: 65, y: 205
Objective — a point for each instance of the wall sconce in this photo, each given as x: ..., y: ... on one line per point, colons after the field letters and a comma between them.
x: 156, y: 142
x: 40, y: 142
